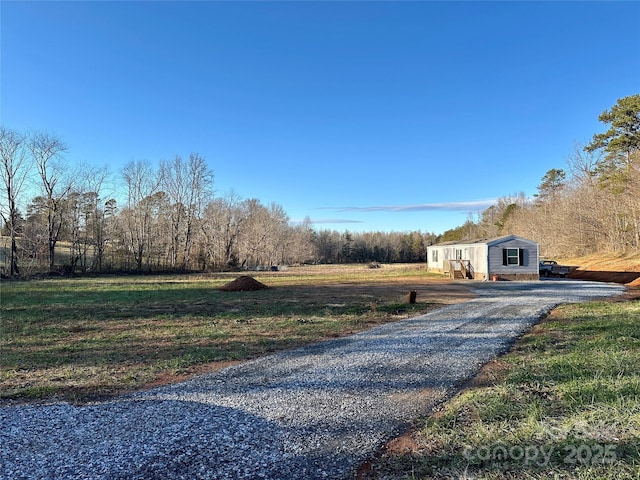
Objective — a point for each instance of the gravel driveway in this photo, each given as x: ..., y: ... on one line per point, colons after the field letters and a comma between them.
x: 312, y: 413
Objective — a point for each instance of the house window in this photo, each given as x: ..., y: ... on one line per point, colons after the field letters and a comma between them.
x: 458, y: 254
x: 434, y: 256
x: 512, y: 256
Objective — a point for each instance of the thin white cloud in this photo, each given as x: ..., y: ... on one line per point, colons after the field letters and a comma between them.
x: 334, y: 220
x: 473, y: 206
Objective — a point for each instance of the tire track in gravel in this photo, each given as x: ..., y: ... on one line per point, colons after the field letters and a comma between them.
x: 312, y: 413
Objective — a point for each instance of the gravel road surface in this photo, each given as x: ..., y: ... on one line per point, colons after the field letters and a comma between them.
x: 312, y: 413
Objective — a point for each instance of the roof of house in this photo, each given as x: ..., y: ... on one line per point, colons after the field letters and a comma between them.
x: 483, y: 241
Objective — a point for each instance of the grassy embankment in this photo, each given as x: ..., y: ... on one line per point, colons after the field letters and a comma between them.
x: 82, y: 338
x: 565, y: 403
x: 623, y: 268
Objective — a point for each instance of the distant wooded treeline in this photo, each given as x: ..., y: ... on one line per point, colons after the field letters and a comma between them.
x: 166, y: 217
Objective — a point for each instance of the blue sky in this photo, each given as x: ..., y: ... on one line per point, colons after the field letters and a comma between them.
x: 360, y: 115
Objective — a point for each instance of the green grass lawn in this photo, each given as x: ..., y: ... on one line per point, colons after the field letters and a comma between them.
x: 82, y: 338
x: 565, y: 403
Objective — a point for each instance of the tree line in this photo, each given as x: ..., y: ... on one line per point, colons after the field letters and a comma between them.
x: 591, y: 205
x: 163, y: 217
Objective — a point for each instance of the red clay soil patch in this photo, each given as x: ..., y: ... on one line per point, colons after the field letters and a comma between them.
x: 402, y: 445
x: 635, y: 283
x: 631, y: 293
x: 604, y: 276
x: 167, y: 378
x: 490, y: 374
x: 244, y: 283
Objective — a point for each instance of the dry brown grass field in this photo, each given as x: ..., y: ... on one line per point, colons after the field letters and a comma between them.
x: 85, y: 338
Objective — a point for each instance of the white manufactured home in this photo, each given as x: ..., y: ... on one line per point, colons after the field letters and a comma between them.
x: 502, y: 258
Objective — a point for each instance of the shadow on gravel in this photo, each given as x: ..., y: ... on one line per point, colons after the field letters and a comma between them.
x: 145, y: 440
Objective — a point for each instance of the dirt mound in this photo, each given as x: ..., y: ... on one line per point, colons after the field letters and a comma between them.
x: 244, y: 283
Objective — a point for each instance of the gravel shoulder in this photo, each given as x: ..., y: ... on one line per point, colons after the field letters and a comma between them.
x: 312, y: 413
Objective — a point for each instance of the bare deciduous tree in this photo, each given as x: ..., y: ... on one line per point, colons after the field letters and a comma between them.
x: 46, y: 150
x: 97, y: 212
x: 582, y: 163
x: 142, y: 183
x: 222, y: 227
x: 188, y: 186
x: 13, y: 172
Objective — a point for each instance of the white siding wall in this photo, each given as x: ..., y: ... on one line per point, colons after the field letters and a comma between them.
x: 475, y: 253
x: 434, y: 264
x: 442, y: 256
x: 478, y: 258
